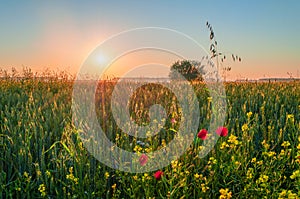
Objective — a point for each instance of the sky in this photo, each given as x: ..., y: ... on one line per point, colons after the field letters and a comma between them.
x: 60, y: 35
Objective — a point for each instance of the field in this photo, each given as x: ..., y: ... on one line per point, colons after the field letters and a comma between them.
x: 42, y: 155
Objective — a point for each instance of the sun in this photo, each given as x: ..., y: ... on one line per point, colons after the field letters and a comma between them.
x: 101, y: 59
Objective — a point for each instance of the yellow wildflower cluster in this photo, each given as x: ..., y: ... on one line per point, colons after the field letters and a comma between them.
x: 232, y: 142
x: 262, y: 180
x: 296, y: 174
x: 245, y: 127
x: 27, y: 176
x: 204, y: 187
x: 286, y: 144
x: 146, y: 177
x: 287, y: 194
x: 175, y: 165
x: 290, y: 117
x: 42, y: 190
x: 48, y: 173
x: 137, y: 149
x: 71, y: 177
x: 265, y: 144
x: 249, y: 173
x: 270, y: 154
x: 225, y: 194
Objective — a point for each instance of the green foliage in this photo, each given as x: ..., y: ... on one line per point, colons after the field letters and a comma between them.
x: 187, y: 69
x: 41, y: 155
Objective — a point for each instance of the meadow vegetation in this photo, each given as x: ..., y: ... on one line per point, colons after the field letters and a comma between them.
x: 42, y: 156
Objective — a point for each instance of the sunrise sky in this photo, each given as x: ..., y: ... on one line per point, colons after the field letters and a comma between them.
x: 61, y: 34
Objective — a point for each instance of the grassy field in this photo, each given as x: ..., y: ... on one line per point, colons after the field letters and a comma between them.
x: 42, y: 156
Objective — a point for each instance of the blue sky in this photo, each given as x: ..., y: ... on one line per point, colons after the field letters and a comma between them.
x: 59, y: 34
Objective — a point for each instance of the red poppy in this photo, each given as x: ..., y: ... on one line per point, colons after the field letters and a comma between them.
x: 222, y: 131
x: 143, y: 159
x: 158, y: 174
x: 202, y: 134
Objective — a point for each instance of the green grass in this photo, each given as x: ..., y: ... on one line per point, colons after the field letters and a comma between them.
x: 42, y: 156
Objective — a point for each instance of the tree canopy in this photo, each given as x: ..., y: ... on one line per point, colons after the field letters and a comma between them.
x: 187, y: 69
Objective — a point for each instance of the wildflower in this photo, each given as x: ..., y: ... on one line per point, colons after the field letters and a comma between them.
x: 290, y: 117
x: 163, y: 143
x: 137, y: 148
x: 158, y: 175
x: 114, y: 186
x: 212, y: 160
x: 245, y: 127
x: 143, y: 159
x: 295, y: 174
x: 249, y: 114
x: 202, y: 134
x: 204, y: 187
x: 287, y: 194
x: 262, y: 180
x: 224, y: 145
x: 253, y: 160
x: 222, y: 131
x: 209, y: 99
x: 196, y: 175
x: 48, y: 173
x: 135, y: 177
x: 42, y: 190
x: 249, y: 173
x: 106, y: 175
x: 285, y: 144
x: 233, y: 141
x: 265, y: 145
x: 225, y: 193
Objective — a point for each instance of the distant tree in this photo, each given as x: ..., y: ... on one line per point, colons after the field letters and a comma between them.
x: 187, y: 69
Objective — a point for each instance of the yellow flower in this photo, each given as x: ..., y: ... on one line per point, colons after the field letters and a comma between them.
x: 253, y: 160
x: 114, y: 186
x: 264, y: 143
x: 225, y: 194
x: 295, y: 174
x: 245, y: 127
x: 260, y: 162
x: 290, y: 117
x: 263, y: 179
x: 135, y: 177
x: 249, y: 114
x: 233, y: 141
x: 285, y: 144
x: 212, y: 160
x: 48, y: 173
x: 196, y: 175
x: 204, y: 188
x: 42, y: 190
x: 237, y: 163
x: 106, y: 175
x: 287, y: 194
x: 209, y: 99
x: 224, y: 145
x: 249, y: 173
